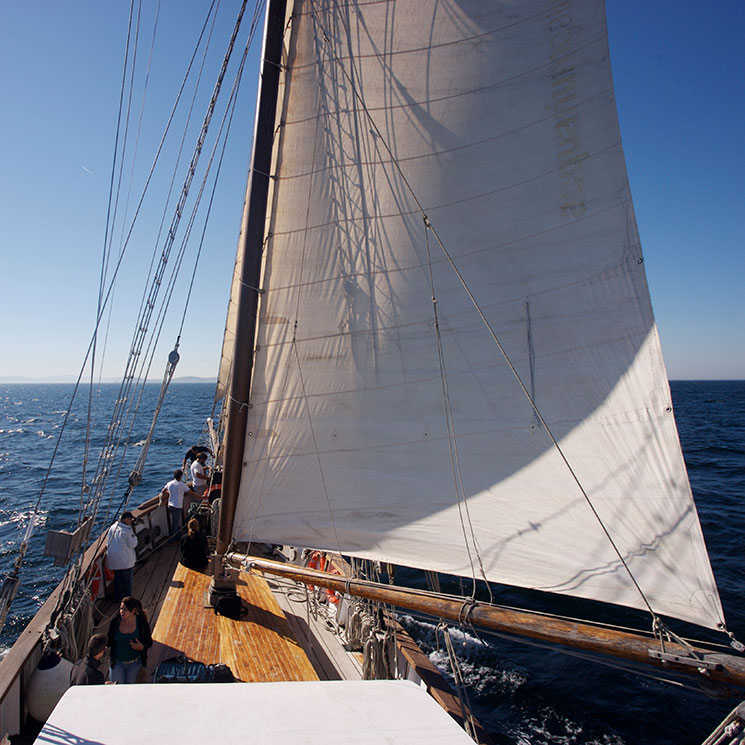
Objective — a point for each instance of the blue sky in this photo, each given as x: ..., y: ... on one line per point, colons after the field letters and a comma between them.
x: 680, y: 86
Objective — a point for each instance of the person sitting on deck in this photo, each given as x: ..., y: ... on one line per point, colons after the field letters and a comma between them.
x: 176, y: 490
x: 192, y: 452
x: 85, y: 672
x: 194, y: 547
x: 129, y: 640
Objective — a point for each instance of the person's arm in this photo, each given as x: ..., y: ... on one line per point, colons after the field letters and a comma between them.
x: 146, y: 636
x: 113, y: 626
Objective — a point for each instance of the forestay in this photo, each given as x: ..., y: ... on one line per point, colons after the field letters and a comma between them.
x: 499, y: 120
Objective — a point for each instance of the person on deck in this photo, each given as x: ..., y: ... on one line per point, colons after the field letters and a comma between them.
x: 192, y: 452
x: 200, y: 474
x: 129, y: 640
x: 194, y: 547
x: 85, y: 672
x: 176, y: 490
x: 120, y: 554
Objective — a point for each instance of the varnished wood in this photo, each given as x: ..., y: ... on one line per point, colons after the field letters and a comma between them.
x: 257, y: 647
x: 612, y: 642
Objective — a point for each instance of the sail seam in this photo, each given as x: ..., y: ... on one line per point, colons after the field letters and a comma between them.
x: 445, y: 205
x: 442, y: 45
x: 434, y: 153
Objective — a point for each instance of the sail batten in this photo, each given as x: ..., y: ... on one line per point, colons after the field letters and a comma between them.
x: 370, y: 423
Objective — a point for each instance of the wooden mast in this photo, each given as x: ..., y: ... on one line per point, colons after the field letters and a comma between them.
x: 705, y: 664
x: 251, y: 243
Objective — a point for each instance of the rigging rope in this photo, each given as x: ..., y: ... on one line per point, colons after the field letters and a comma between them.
x: 118, y: 416
x: 461, y: 690
x: 145, y: 316
x: 460, y: 492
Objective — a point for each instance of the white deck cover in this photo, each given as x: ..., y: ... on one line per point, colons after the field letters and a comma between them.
x: 359, y: 712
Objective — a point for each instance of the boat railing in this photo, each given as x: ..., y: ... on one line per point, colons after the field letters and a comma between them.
x: 16, y: 668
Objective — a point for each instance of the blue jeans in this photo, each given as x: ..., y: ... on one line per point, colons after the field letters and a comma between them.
x: 174, y: 519
x: 122, y: 583
x: 125, y: 672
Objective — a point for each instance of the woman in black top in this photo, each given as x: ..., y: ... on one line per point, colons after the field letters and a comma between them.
x: 194, y: 547
x: 129, y: 640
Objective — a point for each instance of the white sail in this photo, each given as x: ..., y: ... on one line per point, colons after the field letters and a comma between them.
x: 497, y: 120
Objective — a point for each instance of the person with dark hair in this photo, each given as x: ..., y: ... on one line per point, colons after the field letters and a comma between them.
x: 193, y: 452
x: 85, y: 672
x: 176, y: 490
x: 194, y: 547
x: 121, y: 543
x: 129, y: 640
x: 200, y: 474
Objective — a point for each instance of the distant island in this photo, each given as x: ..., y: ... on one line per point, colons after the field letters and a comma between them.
x: 18, y: 379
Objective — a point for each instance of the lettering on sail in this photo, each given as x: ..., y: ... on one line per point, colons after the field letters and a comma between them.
x: 563, y: 35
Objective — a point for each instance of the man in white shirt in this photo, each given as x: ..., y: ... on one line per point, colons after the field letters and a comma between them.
x: 120, y: 554
x: 200, y: 474
x: 176, y: 490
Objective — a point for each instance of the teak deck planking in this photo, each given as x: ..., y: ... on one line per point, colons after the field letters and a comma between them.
x: 257, y: 647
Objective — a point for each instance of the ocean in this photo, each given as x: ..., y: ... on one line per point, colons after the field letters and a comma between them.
x: 522, y: 694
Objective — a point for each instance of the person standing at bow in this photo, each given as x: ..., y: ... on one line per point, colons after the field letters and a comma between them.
x: 200, y: 474
x: 121, y: 543
x: 129, y: 639
x: 176, y: 490
x: 193, y: 452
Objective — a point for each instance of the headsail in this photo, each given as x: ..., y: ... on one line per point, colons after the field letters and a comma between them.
x: 389, y: 427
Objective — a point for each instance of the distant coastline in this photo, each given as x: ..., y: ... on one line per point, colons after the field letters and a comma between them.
x: 69, y: 379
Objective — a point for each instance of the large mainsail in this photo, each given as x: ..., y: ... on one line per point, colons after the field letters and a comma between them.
x: 390, y: 427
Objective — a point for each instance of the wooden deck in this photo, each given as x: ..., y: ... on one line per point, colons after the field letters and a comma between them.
x: 259, y: 646
x: 324, y: 648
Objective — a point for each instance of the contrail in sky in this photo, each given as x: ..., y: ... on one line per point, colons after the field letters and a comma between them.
x: 88, y: 170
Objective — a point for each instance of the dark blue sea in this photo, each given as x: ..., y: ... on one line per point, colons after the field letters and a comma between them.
x: 522, y: 694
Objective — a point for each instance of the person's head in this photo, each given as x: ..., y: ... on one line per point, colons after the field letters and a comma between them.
x: 193, y: 526
x: 130, y: 605
x: 202, y: 458
x: 177, y: 474
x: 97, y: 645
x: 127, y: 517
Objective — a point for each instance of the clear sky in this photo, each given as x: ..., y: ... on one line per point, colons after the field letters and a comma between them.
x: 679, y: 72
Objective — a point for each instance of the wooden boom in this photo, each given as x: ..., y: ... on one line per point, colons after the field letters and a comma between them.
x: 707, y: 665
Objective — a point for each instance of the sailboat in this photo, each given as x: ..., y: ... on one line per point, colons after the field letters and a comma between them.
x: 440, y: 351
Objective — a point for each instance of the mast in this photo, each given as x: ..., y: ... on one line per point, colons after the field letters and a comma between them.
x: 251, y: 242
